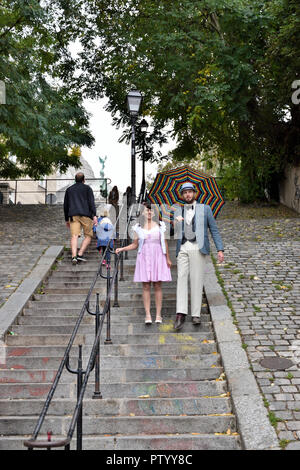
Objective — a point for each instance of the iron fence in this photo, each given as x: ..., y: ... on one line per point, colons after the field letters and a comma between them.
x: 47, y: 190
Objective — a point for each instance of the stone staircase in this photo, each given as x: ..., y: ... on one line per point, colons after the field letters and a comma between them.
x: 161, y: 390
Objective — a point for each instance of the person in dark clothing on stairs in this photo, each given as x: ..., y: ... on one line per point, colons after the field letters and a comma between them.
x: 80, y: 213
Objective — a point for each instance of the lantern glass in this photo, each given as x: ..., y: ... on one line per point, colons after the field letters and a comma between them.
x: 144, y: 125
x: 134, y: 99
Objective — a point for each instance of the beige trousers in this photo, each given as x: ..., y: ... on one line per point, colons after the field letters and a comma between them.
x: 190, y: 265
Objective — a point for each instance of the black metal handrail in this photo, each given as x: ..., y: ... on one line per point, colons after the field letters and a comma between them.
x: 112, y: 281
x: 44, y: 190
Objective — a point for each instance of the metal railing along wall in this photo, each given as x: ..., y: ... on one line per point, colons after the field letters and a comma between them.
x: 94, y: 358
x: 46, y: 191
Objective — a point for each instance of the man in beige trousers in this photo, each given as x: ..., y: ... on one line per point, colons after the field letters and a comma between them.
x: 192, y: 248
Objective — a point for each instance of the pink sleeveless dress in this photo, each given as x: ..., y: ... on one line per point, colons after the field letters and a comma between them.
x: 151, y: 262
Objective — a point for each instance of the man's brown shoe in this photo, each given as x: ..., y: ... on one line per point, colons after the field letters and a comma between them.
x: 196, y: 320
x: 180, y: 319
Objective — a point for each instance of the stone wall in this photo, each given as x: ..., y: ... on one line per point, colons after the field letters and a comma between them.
x: 289, y: 189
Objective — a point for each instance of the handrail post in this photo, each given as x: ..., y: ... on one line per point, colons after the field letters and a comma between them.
x: 79, y: 372
x: 121, y: 267
x: 116, y: 300
x: 79, y: 385
x: 126, y: 252
x: 108, y: 339
x: 97, y: 392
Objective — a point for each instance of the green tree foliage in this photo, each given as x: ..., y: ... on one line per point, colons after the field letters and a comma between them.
x: 42, y: 118
x: 218, y: 71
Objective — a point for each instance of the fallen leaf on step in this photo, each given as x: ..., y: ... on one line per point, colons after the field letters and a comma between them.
x: 132, y: 414
x: 144, y: 396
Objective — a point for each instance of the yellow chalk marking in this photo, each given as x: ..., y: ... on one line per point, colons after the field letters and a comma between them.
x: 162, y: 339
x: 166, y: 327
x: 184, y: 338
x: 188, y: 348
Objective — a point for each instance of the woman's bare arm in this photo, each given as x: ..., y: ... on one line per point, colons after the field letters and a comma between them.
x: 132, y: 246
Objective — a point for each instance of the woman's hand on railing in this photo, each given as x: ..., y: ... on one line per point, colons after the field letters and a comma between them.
x: 119, y: 250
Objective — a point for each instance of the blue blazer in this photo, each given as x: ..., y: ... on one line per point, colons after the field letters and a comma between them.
x: 203, y: 221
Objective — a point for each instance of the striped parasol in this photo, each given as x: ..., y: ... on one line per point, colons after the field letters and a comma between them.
x: 165, y: 191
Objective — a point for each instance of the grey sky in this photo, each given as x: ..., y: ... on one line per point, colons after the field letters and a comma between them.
x: 118, y: 163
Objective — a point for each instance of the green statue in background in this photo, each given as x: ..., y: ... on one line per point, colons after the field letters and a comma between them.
x: 103, y: 185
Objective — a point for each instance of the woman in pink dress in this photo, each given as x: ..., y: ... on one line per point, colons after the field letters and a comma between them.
x: 153, y: 261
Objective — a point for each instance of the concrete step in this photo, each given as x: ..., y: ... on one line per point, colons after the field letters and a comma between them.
x: 71, y: 304
x: 66, y: 310
x: 47, y: 340
x: 33, y: 358
x: 121, y: 350
x: 132, y: 296
x: 51, y: 318
x: 125, y: 328
x: 88, y: 277
x: 37, y: 385
x: 157, y: 442
x: 178, y: 348
x: 133, y: 425
x: 54, y: 324
x: 62, y: 409
x: 93, y: 266
x: 84, y: 290
x: 84, y: 283
x: 46, y: 375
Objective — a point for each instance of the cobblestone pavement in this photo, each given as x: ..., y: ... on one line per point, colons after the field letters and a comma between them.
x: 30, y: 224
x: 16, y: 262
x: 25, y: 232
x: 260, y: 278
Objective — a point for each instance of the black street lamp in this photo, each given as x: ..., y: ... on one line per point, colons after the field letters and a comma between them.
x: 134, y: 100
x: 143, y: 127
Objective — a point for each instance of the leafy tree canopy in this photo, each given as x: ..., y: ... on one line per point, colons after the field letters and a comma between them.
x: 43, y: 117
x: 218, y: 71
